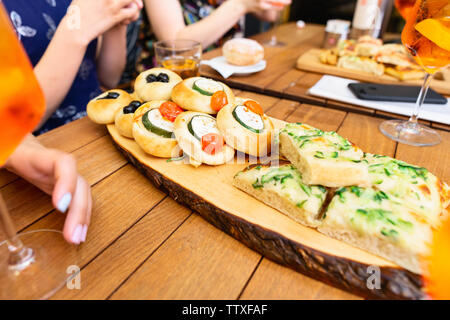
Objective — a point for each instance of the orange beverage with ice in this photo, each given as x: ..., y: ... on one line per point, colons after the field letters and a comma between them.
x: 21, y: 99
x: 427, y: 34
x: 405, y: 7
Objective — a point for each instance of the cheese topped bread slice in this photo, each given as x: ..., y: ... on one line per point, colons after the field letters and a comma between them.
x: 369, y: 219
x: 418, y: 190
x: 323, y: 158
x: 282, y: 188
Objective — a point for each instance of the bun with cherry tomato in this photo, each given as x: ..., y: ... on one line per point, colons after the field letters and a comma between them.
x: 155, y: 84
x: 153, y: 128
x: 200, y: 139
x: 245, y: 127
x: 202, y: 95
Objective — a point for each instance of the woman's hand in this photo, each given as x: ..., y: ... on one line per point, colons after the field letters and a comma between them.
x: 257, y: 6
x: 55, y: 173
x: 93, y: 18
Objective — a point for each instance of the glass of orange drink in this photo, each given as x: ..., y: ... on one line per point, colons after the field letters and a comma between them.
x: 26, y: 272
x: 181, y: 56
x: 426, y: 35
x: 405, y: 7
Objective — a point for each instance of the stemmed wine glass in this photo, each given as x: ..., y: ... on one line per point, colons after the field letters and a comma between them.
x: 27, y: 271
x: 427, y: 37
x: 274, y: 42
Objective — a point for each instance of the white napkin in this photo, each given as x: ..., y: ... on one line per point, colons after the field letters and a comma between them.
x: 226, y: 70
x: 336, y: 88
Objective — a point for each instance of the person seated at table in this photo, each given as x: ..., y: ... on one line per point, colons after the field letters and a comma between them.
x: 209, y: 22
x: 55, y: 173
x: 75, y: 47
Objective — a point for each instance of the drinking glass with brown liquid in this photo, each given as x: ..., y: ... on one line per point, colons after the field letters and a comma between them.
x: 181, y: 56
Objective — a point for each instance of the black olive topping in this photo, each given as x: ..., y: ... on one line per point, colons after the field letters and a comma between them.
x: 132, y: 107
x: 110, y: 95
x: 162, y: 77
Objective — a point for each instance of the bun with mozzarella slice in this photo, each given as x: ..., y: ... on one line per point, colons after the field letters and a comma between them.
x: 200, y: 139
x: 198, y: 94
x: 153, y: 132
x: 245, y: 127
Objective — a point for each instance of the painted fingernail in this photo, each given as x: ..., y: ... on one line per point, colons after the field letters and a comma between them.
x: 77, y: 234
x: 84, y: 233
x: 64, y: 202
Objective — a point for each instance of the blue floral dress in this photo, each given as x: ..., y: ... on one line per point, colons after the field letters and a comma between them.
x: 35, y: 22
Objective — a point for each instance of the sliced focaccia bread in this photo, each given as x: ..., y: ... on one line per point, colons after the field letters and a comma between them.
x: 281, y: 187
x: 323, y: 158
x: 418, y: 190
x: 369, y: 219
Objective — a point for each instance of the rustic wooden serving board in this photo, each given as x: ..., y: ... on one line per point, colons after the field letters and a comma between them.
x: 208, y: 190
x: 309, y: 61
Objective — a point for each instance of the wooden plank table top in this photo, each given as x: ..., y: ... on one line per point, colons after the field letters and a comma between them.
x: 143, y: 245
x: 283, y: 80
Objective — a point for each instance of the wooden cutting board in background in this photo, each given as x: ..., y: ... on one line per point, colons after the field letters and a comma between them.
x: 309, y: 61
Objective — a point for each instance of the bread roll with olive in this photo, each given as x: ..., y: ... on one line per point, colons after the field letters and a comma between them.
x: 242, y: 52
x: 103, y: 108
x: 202, y: 95
x: 124, y: 118
x: 153, y: 128
x: 156, y: 84
x: 245, y: 127
x: 199, y: 138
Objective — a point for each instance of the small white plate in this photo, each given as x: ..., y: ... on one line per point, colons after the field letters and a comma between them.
x: 226, y: 70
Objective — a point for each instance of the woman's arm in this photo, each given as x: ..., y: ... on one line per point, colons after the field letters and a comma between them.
x: 113, y: 56
x: 85, y: 21
x: 168, y: 23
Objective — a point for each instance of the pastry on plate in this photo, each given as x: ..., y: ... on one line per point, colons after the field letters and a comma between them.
x: 369, y: 219
x: 245, y: 127
x: 361, y: 64
x: 200, y: 139
x: 281, y: 187
x: 202, y: 95
x: 156, y: 84
x: 153, y: 128
x: 103, y: 108
x: 124, y: 118
x: 242, y: 52
x: 323, y: 158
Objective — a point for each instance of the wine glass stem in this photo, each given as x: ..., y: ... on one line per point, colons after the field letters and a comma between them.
x: 19, y: 256
x: 423, y: 93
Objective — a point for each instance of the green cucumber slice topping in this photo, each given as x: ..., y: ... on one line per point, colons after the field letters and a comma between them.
x: 201, y: 125
x: 207, y: 87
x: 248, y: 119
x: 154, y: 122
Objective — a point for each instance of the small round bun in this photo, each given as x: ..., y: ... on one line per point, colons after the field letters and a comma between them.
x: 103, y: 108
x: 124, y: 119
x: 242, y: 52
x: 150, y: 142
x: 241, y: 138
x: 192, y: 146
x: 155, y: 84
x: 189, y: 99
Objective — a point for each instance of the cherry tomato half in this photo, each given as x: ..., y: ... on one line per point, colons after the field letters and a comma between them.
x: 212, y: 143
x: 254, y: 106
x: 170, y: 110
x: 219, y: 100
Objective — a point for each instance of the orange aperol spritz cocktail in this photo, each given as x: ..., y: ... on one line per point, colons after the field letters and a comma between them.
x: 34, y: 263
x: 405, y: 7
x: 426, y: 35
x: 21, y: 100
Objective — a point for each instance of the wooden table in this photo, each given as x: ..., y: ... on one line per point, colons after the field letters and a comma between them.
x: 281, y: 79
x: 143, y: 245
